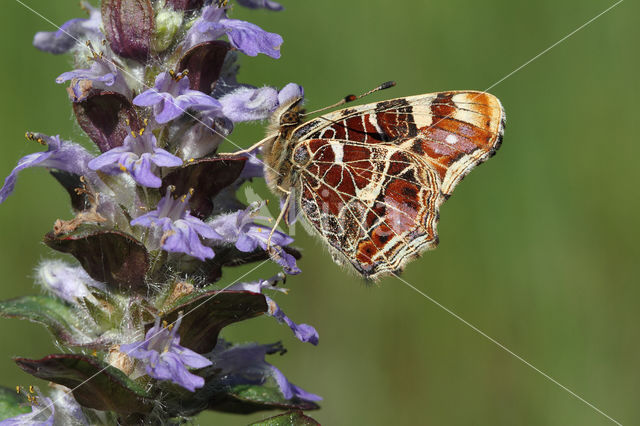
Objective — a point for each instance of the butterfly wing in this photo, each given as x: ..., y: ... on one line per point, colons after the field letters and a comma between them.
x: 376, y: 207
x: 378, y: 173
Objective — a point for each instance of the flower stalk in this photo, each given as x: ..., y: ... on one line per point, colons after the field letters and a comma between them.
x: 139, y: 304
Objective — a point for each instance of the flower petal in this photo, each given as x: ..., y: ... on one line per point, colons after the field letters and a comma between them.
x: 65, y: 281
x: 246, y: 104
x: 163, y: 158
x: 246, y: 244
x: 250, y: 39
x: 167, y: 111
x: 60, y: 155
x: 142, y: 174
x: 70, y: 33
x: 304, y: 332
x: 110, y: 158
x: 197, y: 100
x: 289, y: 92
x: 148, y: 98
x: 165, y: 359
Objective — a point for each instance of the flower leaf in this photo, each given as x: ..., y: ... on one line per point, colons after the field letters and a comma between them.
x: 294, y: 417
x: 53, y: 313
x: 207, y: 177
x: 245, y: 399
x: 12, y: 404
x: 112, y: 257
x: 128, y: 26
x: 204, y: 62
x: 95, y: 384
x: 208, y: 313
x: 107, y: 117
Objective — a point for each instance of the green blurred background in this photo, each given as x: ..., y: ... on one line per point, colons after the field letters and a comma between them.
x: 539, y: 248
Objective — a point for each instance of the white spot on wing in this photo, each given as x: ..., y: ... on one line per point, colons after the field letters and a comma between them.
x: 422, y: 119
x: 337, y: 152
x: 451, y: 139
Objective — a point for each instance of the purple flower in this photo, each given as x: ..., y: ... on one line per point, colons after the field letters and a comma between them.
x: 70, y: 33
x: 245, y: 364
x: 70, y: 283
x: 261, y: 4
x: 165, y: 359
x: 289, y: 390
x: 171, y: 96
x: 101, y: 75
x: 136, y: 156
x: 181, y: 231
x: 304, y: 332
x: 247, y: 103
x: 60, y: 155
x: 250, y: 39
x: 240, y: 229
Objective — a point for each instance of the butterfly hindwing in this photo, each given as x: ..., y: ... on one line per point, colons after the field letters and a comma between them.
x: 376, y: 206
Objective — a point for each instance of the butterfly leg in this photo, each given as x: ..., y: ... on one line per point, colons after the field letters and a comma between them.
x: 245, y: 151
x: 273, y: 253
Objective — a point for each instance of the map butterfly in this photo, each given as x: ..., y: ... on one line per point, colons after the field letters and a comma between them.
x: 370, y: 179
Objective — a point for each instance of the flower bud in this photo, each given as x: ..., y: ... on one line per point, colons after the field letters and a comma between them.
x: 128, y: 26
x: 167, y: 24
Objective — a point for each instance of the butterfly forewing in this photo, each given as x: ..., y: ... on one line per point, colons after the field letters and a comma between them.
x: 374, y: 176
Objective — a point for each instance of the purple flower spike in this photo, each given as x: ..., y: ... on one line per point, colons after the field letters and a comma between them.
x: 240, y: 229
x: 101, y: 75
x: 181, y: 231
x: 250, y: 39
x: 165, y: 359
x: 70, y: 32
x: 261, y: 4
x: 171, y: 96
x: 304, y: 332
x: 60, y: 155
x: 136, y: 156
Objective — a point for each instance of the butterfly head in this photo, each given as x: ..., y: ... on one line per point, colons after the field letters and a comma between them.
x: 288, y: 114
x: 290, y: 117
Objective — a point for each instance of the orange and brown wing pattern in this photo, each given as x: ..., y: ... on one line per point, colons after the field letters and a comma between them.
x: 374, y: 176
x: 452, y: 131
x: 375, y: 205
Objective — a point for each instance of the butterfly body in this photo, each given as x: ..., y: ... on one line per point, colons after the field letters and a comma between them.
x: 370, y: 179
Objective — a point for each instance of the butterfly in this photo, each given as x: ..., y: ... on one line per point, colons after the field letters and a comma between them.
x: 370, y: 179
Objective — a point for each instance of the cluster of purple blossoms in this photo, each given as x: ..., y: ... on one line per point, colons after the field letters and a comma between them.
x: 140, y: 304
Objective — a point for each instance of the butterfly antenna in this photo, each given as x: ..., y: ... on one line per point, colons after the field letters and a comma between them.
x: 351, y: 98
